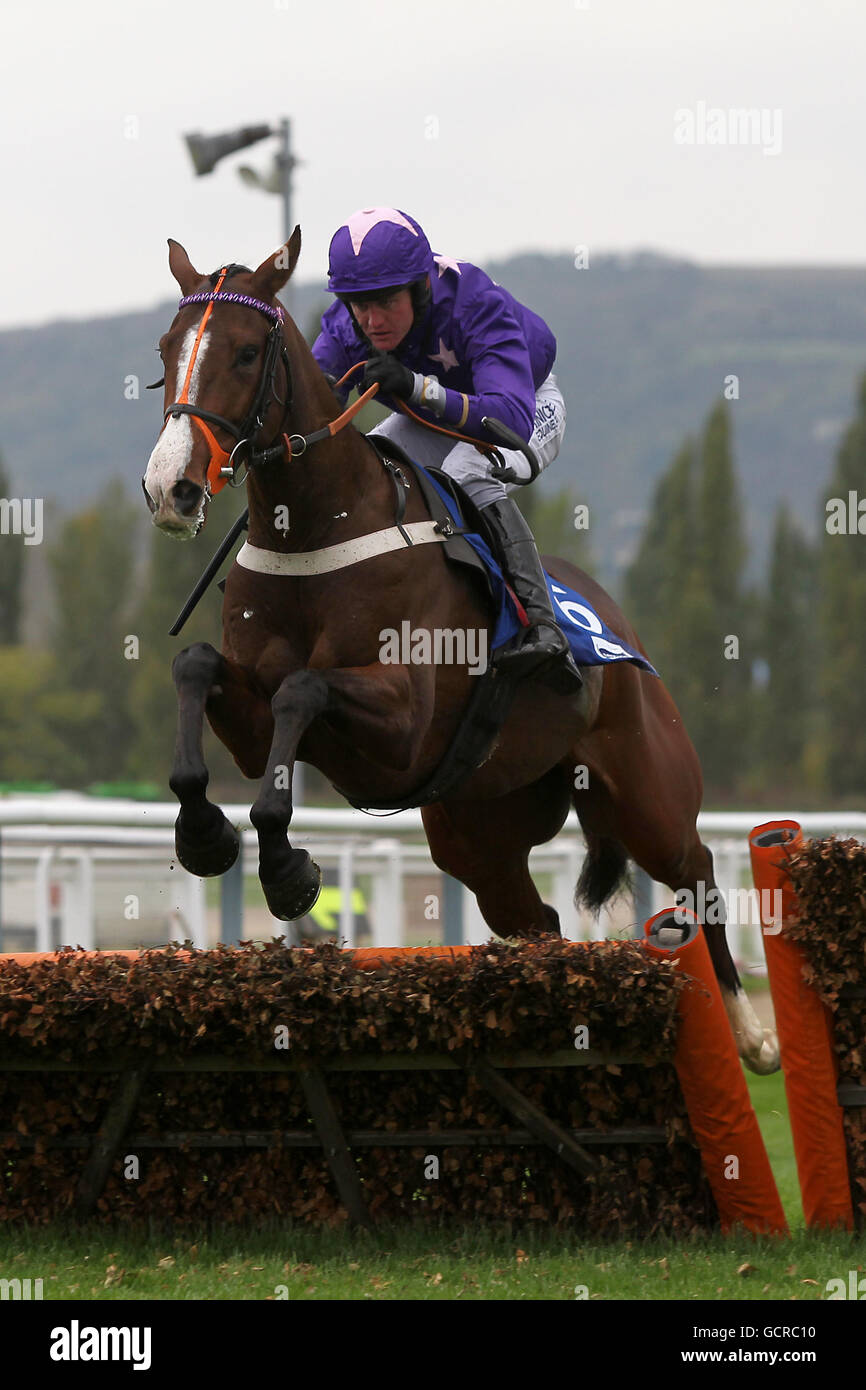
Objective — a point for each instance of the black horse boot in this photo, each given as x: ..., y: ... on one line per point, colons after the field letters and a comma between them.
x: 543, y: 643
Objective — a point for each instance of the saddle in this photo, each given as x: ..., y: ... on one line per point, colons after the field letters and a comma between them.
x: 432, y: 483
x: 492, y: 694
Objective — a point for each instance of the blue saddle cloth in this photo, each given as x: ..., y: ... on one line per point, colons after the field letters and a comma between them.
x: 591, y: 641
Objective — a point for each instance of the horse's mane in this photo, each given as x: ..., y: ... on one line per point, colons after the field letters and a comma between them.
x: 233, y: 269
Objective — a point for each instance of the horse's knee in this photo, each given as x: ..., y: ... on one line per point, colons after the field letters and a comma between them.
x: 301, y: 692
x: 196, y: 665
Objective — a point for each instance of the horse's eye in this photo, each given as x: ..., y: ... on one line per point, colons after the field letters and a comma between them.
x: 247, y: 355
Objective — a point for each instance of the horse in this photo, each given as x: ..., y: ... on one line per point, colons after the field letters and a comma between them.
x: 300, y: 674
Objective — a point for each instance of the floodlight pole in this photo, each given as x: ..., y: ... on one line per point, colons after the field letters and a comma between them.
x: 206, y: 152
x: 286, y: 163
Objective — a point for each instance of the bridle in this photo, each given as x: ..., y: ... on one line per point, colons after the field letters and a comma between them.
x: 223, y: 467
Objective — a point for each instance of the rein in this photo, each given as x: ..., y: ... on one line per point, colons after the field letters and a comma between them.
x: 222, y: 467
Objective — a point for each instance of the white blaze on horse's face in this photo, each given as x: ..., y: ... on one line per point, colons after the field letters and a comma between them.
x: 173, y: 453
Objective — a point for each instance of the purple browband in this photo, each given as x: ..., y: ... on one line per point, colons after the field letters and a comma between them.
x: 230, y: 297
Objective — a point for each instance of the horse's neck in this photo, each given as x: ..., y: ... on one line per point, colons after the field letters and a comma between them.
x: 331, y: 493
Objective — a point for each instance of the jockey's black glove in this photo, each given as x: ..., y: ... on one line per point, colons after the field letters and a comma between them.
x: 394, y: 379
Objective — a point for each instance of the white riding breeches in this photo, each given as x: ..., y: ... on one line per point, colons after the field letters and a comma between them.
x: 465, y: 464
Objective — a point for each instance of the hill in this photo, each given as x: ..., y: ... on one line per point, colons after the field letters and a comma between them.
x: 645, y: 345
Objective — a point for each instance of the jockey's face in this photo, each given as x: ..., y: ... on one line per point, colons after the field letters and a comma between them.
x: 385, y: 319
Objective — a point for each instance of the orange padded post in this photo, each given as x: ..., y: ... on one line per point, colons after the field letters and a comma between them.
x: 805, y: 1028
x: 712, y: 1081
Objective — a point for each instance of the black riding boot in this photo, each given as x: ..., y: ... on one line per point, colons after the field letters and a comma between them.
x: 543, y: 643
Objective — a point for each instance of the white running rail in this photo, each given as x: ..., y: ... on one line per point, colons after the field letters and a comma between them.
x: 101, y: 873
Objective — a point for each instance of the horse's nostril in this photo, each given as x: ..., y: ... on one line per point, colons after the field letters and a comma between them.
x: 186, y: 496
x: 150, y: 502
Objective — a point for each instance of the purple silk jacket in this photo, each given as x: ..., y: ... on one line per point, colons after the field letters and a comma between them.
x: 489, y: 351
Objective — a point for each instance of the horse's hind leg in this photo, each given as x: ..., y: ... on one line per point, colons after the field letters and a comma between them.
x: 658, y: 831
x: 696, y: 888
x: 690, y: 877
x: 486, y: 844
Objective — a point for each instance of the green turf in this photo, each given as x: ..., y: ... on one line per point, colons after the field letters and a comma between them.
x: 415, y: 1264
x: 771, y: 1108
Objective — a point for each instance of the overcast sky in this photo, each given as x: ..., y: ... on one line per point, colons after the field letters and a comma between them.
x: 501, y: 126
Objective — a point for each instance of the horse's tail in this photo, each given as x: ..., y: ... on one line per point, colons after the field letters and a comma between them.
x: 604, y: 872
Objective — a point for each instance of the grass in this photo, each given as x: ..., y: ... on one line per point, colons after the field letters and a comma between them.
x: 476, y: 1263
x: 472, y: 1264
x: 771, y: 1108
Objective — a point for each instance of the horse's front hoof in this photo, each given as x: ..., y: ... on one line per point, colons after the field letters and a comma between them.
x: 211, y: 857
x: 295, y: 894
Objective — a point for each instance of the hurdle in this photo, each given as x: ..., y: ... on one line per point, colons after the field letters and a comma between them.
x: 708, y: 1071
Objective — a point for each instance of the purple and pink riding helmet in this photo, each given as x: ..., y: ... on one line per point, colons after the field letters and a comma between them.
x: 377, y: 249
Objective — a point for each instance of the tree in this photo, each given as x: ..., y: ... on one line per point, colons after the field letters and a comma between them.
x: 663, y: 567
x: 719, y: 517
x: 785, y: 708
x: 93, y: 574
x: 843, y: 613
x: 552, y: 518
x: 44, y: 727
x: 684, y: 594
x: 314, y: 322
x: 725, y: 647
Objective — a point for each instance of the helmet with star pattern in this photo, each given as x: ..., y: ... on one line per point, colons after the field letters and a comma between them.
x: 377, y: 249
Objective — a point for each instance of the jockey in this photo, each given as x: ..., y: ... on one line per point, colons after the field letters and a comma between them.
x: 442, y: 336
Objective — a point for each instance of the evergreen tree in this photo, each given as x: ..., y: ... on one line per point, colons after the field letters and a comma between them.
x: 726, y: 644
x: 93, y: 571
x: 684, y: 594
x: 11, y: 572
x: 720, y: 519
x: 551, y: 518
x: 785, y: 710
x: 314, y: 322
x: 843, y: 615
x: 663, y: 567
x: 45, y: 728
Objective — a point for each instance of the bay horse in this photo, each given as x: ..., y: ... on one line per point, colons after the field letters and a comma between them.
x: 300, y: 674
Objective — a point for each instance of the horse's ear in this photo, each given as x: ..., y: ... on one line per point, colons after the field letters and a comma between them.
x: 275, y: 270
x: 182, y: 268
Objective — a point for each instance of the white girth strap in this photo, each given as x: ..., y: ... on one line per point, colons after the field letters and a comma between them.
x: 336, y: 557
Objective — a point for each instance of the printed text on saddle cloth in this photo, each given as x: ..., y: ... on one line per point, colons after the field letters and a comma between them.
x: 591, y: 641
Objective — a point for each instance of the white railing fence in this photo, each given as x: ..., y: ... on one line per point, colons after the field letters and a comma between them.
x: 102, y: 874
